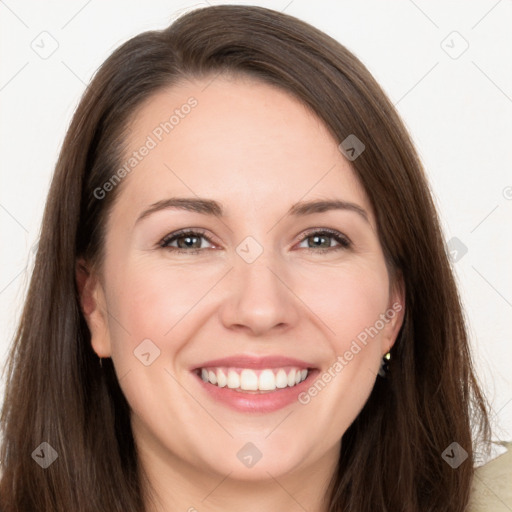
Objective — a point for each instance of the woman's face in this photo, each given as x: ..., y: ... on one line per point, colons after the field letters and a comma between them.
x: 262, y: 279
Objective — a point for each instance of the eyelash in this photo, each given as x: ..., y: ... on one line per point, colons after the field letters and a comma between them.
x: 341, y: 239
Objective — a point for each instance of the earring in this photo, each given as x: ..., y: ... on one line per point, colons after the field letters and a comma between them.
x: 384, y: 365
x: 101, y: 362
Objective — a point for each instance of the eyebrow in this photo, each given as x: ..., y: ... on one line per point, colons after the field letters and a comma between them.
x: 214, y: 208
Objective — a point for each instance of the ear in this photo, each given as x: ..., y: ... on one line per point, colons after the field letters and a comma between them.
x: 94, y: 307
x: 395, y: 313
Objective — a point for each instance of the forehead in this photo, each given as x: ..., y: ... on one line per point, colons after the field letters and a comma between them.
x: 241, y: 141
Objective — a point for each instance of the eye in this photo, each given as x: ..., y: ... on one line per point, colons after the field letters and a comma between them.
x: 320, y: 236
x: 187, y: 241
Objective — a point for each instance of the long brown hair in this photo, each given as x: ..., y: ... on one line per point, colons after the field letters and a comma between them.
x: 391, y: 456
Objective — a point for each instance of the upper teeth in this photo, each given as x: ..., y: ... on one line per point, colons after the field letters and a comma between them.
x: 249, y: 380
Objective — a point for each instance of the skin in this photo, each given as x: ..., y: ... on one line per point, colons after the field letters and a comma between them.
x: 257, y: 150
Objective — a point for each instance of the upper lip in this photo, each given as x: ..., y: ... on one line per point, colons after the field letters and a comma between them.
x: 255, y: 362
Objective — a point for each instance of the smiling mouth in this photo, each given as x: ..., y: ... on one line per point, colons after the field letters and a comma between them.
x: 247, y: 380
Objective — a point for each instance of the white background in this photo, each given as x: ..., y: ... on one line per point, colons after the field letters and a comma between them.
x: 458, y: 110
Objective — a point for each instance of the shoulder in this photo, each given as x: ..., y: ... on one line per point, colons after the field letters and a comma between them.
x: 492, y: 485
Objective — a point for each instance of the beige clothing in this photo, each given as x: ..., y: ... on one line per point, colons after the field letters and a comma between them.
x: 492, y: 485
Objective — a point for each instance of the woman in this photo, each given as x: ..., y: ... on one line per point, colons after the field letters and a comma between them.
x: 240, y: 229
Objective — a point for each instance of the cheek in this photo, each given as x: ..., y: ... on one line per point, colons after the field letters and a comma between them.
x: 350, y: 303
x: 348, y: 300
x: 152, y: 299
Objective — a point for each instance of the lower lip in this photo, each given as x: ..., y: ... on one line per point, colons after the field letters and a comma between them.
x: 257, y: 402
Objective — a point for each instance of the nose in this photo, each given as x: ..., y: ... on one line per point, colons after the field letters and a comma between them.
x: 259, y: 297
